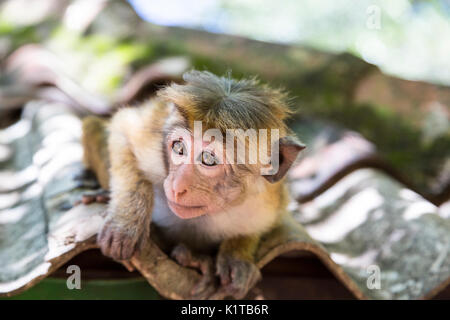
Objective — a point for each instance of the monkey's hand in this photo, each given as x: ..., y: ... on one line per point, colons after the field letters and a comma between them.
x: 237, y: 276
x: 206, y: 286
x: 119, y: 241
x: 128, y: 222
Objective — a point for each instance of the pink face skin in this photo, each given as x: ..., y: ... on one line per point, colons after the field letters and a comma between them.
x: 197, y: 188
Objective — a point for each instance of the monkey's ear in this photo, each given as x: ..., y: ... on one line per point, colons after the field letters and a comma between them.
x: 288, y: 149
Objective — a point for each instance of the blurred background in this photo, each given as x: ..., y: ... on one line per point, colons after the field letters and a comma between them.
x: 404, y: 38
x: 376, y: 71
x: 342, y: 61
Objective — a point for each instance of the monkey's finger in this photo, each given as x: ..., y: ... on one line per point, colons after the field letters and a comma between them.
x: 206, y: 266
x: 128, y: 246
x: 127, y: 264
x: 238, y: 274
x: 223, y: 271
x: 103, y: 232
x: 236, y: 290
x: 116, y: 247
x: 242, y: 284
x: 204, y: 288
x: 182, y: 255
x: 105, y: 244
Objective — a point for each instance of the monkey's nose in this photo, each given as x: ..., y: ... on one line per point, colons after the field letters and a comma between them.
x: 178, y: 194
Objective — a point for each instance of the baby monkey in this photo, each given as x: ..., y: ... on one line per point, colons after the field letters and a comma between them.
x: 165, y: 162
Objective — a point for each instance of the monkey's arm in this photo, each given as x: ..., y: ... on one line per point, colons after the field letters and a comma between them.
x: 131, y: 202
x: 235, y: 266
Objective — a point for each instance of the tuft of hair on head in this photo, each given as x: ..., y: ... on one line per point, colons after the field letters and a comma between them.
x: 226, y: 103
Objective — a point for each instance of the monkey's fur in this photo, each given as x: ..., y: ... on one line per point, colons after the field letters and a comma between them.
x: 223, y: 208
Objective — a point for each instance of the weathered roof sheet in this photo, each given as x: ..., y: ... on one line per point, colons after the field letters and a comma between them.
x: 366, y: 219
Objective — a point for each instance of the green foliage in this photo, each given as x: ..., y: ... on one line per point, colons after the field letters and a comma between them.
x: 397, y: 139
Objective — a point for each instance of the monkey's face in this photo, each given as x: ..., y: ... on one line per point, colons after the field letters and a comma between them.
x: 198, y: 181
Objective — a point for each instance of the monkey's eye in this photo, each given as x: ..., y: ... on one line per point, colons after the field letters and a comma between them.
x: 208, y: 159
x: 178, y: 147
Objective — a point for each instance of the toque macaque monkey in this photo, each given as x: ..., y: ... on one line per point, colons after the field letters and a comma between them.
x: 162, y: 164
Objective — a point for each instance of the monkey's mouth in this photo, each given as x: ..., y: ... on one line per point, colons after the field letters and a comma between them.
x: 186, y: 212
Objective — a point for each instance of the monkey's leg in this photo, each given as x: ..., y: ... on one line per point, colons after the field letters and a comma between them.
x: 236, y: 268
x: 96, y: 160
x: 95, y: 147
x: 206, y: 286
